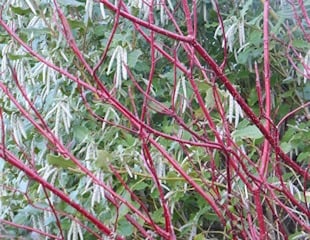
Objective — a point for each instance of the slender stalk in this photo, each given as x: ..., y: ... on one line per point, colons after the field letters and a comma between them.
x: 266, y: 147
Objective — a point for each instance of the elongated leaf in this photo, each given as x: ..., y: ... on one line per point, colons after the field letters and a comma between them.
x: 251, y: 132
x: 60, y: 162
x: 20, y: 11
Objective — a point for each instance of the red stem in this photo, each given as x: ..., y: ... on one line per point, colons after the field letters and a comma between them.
x: 188, y: 18
x: 259, y: 91
x: 260, y: 214
x: 266, y: 148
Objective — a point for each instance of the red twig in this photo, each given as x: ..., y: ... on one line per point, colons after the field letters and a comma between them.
x: 266, y: 148
x: 259, y: 91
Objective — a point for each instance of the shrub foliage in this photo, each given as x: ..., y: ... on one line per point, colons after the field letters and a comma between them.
x: 149, y: 119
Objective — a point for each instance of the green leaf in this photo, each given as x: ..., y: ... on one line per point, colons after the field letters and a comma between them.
x: 139, y: 186
x: 251, y: 132
x: 286, y: 147
x: 211, y: 25
x: 256, y: 37
x: 209, y: 99
x: 80, y: 132
x: 103, y: 159
x: 20, y: 218
x: 29, y: 209
x: 20, y: 11
x: 299, y: 43
x: 203, y: 86
x: 129, y: 139
x: 157, y: 216
x: 243, y: 56
x: 124, y: 227
x: 302, y: 156
x: 99, y: 30
x: 16, y: 56
x: 123, y: 209
x: 133, y: 57
x: 60, y: 162
x: 75, y: 24
x: 199, y: 237
x: 306, y: 92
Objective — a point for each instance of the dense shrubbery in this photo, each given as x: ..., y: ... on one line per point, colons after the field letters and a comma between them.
x: 141, y: 119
